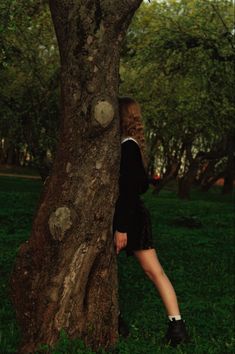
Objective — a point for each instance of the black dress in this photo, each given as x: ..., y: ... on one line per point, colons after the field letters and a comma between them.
x: 131, y: 216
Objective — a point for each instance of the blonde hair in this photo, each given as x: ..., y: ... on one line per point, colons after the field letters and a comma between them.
x: 131, y: 123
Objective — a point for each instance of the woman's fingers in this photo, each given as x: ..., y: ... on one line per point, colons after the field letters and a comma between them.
x: 120, y: 246
x: 120, y: 240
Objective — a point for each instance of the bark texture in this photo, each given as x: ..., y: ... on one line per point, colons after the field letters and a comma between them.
x: 65, y: 275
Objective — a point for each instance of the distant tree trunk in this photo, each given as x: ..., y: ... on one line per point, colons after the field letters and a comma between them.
x: 41, y: 162
x: 211, y: 181
x: 208, y: 177
x: 2, y: 152
x: 172, y: 168
x: 16, y: 156
x: 65, y: 275
x: 152, y: 142
x: 207, y: 171
x: 10, y: 155
x: 186, y: 182
x: 171, y: 173
x: 228, y: 181
x: 36, y: 149
x: 230, y: 168
x: 151, y: 164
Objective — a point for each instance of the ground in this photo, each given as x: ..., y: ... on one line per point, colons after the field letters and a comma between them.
x: 199, y: 261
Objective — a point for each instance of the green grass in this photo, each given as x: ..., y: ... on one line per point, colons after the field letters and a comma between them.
x: 199, y: 262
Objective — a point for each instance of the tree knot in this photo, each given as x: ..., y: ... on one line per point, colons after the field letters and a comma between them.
x: 59, y: 222
x: 103, y: 112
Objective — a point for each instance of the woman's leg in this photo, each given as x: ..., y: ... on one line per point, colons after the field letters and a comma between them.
x: 149, y: 262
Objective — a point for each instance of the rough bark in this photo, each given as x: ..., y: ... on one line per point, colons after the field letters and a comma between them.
x: 65, y: 275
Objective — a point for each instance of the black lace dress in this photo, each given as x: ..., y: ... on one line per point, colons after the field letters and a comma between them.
x: 131, y: 216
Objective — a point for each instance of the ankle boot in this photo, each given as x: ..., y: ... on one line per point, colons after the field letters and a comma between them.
x: 176, y: 333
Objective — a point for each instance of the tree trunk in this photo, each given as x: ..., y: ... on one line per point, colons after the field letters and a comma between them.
x: 228, y: 181
x: 65, y: 275
x: 10, y: 156
x: 2, y: 151
x: 171, y: 173
x: 211, y: 181
x: 207, y: 172
x: 186, y: 182
x: 230, y: 168
x: 172, y: 168
x: 152, y: 142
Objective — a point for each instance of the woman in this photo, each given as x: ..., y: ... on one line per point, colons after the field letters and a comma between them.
x: 131, y: 223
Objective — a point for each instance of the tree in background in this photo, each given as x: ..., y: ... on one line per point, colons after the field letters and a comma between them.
x: 29, y: 85
x: 178, y: 62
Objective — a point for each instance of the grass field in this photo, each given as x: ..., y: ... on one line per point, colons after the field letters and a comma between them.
x: 198, y: 260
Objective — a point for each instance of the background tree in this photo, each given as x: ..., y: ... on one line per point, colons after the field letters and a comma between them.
x: 179, y: 65
x: 175, y: 62
x: 29, y: 85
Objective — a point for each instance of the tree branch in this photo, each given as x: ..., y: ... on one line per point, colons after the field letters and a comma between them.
x: 227, y: 33
x: 60, y: 16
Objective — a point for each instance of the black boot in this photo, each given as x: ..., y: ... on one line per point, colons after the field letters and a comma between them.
x: 123, y: 329
x: 176, y: 333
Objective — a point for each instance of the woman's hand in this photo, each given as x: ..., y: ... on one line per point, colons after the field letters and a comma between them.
x: 120, y: 240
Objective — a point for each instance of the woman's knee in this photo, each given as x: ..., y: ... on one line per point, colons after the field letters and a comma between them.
x: 155, y: 272
x: 150, y: 264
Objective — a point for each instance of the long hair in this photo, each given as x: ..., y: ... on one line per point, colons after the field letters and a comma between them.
x: 131, y: 123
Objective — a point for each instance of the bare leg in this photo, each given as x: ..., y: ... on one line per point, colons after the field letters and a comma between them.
x: 149, y: 262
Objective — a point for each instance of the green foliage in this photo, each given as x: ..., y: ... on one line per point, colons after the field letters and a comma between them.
x: 28, y: 78
x: 178, y: 63
x: 198, y: 261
